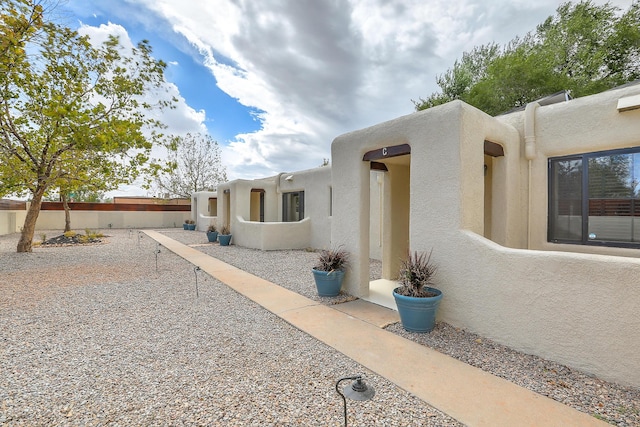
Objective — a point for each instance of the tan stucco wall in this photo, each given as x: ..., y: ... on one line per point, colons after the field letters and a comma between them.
x: 268, y: 236
x: 487, y: 226
x: 200, y: 209
x: 273, y: 233
x: 583, y: 125
x: 54, y: 220
x: 316, y: 184
x: 577, y: 309
x: 11, y: 221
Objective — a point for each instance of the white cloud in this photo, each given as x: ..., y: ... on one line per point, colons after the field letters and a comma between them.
x: 179, y: 120
x: 316, y: 69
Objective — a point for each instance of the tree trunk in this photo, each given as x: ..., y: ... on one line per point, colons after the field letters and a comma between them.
x: 67, y: 212
x: 29, y: 227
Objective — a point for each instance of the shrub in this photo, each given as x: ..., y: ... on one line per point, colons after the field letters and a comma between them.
x: 93, y: 234
x: 212, y: 229
x: 226, y: 230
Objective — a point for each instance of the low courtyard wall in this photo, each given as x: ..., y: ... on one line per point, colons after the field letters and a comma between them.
x: 94, y: 216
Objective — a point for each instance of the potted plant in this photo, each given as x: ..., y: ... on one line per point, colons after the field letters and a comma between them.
x: 212, y: 233
x: 416, y: 299
x: 189, y: 224
x: 328, y: 272
x: 225, y: 236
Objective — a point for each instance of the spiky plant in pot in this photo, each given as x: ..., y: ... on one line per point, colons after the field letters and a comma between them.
x: 416, y: 275
x: 332, y: 260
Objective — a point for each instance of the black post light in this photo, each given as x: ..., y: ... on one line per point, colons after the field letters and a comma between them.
x: 195, y: 271
x: 357, y: 390
x: 157, y: 251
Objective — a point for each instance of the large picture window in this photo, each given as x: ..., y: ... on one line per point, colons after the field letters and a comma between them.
x: 594, y: 198
x: 293, y: 206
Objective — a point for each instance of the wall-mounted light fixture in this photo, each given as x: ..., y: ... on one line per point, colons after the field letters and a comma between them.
x: 357, y: 390
x: 289, y: 178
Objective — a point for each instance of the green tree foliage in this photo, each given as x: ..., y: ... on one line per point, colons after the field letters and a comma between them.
x: 583, y: 48
x: 19, y: 22
x: 611, y: 177
x: 72, y: 114
x: 466, y: 72
x: 194, y: 164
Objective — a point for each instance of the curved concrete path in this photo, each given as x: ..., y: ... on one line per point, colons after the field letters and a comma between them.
x: 468, y: 394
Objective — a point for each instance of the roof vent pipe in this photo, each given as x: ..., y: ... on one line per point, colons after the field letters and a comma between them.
x: 530, y: 130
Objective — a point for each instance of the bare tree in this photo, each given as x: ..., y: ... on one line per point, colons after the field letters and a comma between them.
x: 194, y: 164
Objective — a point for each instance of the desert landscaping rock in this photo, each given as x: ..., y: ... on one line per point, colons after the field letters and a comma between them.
x: 95, y: 335
x: 610, y: 402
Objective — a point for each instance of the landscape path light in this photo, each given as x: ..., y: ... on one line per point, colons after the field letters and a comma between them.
x: 195, y: 271
x: 357, y: 390
x: 157, y: 251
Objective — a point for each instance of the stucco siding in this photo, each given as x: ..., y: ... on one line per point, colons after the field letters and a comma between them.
x: 11, y: 221
x: 96, y: 220
x: 582, y: 125
x: 577, y: 309
x: 484, y: 213
x: 240, y: 208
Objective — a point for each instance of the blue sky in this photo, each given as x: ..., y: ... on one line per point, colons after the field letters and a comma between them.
x: 225, y: 116
x: 275, y: 81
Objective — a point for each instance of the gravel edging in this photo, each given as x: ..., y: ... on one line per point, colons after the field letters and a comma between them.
x: 610, y: 402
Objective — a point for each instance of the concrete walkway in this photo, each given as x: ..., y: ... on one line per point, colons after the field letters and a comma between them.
x: 468, y: 394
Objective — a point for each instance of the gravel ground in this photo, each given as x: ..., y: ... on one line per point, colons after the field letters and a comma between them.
x: 610, y: 402
x: 95, y: 335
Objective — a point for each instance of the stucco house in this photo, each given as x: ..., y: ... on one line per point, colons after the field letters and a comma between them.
x: 533, y: 218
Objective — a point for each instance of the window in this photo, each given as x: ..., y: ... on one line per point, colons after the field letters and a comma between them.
x: 293, y: 206
x: 594, y: 198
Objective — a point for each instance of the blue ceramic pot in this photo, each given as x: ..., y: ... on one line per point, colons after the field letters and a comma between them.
x: 224, y: 239
x: 212, y: 236
x: 328, y: 283
x: 418, y: 314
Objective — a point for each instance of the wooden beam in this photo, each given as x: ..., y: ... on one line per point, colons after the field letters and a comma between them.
x: 493, y: 149
x: 386, y: 152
